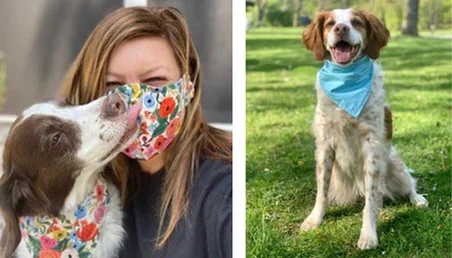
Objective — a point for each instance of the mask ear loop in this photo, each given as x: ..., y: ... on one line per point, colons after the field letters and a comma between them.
x: 186, y: 77
x: 188, y: 89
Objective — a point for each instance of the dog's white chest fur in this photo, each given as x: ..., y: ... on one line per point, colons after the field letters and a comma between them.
x: 346, y: 134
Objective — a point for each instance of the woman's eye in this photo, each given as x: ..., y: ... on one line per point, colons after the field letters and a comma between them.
x: 112, y: 85
x: 110, y: 88
x: 156, y: 81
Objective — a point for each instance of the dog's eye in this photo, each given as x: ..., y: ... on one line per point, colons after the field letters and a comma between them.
x: 330, y: 23
x: 357, y: 23
x: 55, y: 138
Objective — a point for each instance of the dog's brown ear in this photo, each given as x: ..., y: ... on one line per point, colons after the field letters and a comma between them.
x: 10, y: 237
x: 25, y: 199
x: 313, y: 36
x: 377, y: 34
x: 17, y: 198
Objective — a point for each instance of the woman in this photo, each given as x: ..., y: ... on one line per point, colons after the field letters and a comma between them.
x: 178, y: 203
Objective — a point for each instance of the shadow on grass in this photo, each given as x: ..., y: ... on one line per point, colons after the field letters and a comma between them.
x: 281, y: 63
x: 423, y: 83
x: 270, y: 43
x: 335, y: 212
x: 438, y: 105
x: 286, y: 89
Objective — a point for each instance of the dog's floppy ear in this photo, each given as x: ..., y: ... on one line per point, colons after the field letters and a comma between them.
x: 18, y: 198
x: 313, y: 36
x: 10, y: 237
x: 377, y: 34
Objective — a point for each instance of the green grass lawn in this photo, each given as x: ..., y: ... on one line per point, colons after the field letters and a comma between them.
x: 280, y: 151
x: 439, y: 32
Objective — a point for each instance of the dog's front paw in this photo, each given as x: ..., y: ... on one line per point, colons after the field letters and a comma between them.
x: 367, y: 241
x: 310, y: 223
x: 419, y: 200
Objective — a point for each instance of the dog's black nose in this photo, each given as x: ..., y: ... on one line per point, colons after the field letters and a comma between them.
x: 113, y: 106
x: 341, y: 29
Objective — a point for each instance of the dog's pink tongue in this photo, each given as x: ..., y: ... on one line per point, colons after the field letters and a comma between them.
x: 343, y: 54
x: 134, y: 110
x: 343, y: 57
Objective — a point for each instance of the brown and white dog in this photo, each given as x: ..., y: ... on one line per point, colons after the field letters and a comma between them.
x: 355, y: 157
x: 52, y: 159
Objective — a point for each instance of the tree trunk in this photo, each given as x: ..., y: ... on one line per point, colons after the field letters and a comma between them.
x: 261, y: 6
x: 412, y: 18
x: 433, y: 13
x: 296, y: 13
x: 383, y: 16
x: 260, y: 17
x: 322, y: 5
x: 345, y: 4
x: 399, y: 15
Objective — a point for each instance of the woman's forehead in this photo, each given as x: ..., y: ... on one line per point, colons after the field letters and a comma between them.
x: 141, y: 56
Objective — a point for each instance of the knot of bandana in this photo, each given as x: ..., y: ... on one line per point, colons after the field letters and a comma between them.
x: 73, y: 234
x: 348, y: 86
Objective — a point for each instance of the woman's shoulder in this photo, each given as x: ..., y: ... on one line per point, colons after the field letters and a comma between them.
x: 214, y: 178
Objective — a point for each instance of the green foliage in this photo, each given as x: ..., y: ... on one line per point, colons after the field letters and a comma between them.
x: 278, y: 16
x: 435, y: 12
x: 280, y: 103
x: 392, y: 12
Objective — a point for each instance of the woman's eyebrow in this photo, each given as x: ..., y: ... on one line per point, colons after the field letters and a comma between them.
x: 117, y: 75
x: 150, y: 70
x: 153, y: 69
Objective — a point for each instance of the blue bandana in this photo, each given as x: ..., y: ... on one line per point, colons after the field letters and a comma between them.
x: 348, y: 86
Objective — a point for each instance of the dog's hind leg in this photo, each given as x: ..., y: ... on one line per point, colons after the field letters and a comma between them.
x: 324, y: 158
x: 399, y: 182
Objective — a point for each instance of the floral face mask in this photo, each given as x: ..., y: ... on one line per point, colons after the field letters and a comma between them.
x: 161, y: 114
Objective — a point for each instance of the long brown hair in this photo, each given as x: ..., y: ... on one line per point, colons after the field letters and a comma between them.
x: 86, y: 80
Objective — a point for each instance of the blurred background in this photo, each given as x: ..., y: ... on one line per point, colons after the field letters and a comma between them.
x: 40, y: 39
x: 407, y: 17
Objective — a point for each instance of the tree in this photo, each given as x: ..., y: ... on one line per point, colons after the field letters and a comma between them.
x: 296, y: 12
x: 261, y: 6
x: 433, y: 16
x: 412, y: 18
x: 345, y: 4
x: 322, y: 5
